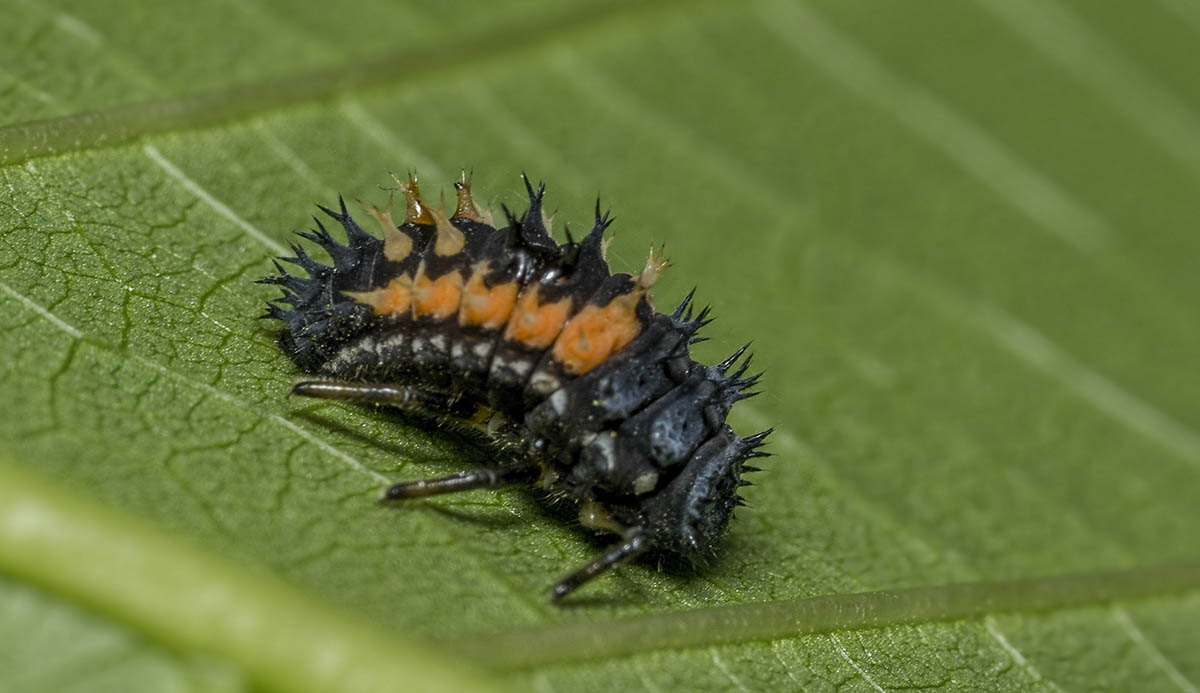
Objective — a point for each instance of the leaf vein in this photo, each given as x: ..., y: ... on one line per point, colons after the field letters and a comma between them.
x: 941, y: 127
x: 109, y: 127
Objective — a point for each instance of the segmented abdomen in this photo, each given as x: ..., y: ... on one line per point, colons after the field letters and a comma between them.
x: 504, y: 316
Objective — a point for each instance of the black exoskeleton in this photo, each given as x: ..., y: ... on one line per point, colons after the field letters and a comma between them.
x: 540, y: 345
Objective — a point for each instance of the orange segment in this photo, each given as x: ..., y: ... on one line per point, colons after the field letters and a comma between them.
x: 437, y: 298
x: 392, y: 299
x: 485, y: 307
x: 535, y: 324
x: 596, y: 333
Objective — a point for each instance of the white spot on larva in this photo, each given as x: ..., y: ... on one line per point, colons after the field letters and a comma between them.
x: 348, y: 355
x: 606, y: 446
x: 544, y: 383
x: 645, y: 483
x: 558, y: 401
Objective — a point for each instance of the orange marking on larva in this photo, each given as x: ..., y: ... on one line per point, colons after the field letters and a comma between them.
x: 485, y: 307
x: 392, y: 299
x: 596, y: 333
x: 436, y: 298
x: 536, y: 324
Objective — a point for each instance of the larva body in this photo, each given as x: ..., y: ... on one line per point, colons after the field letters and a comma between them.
x: 592, y: 393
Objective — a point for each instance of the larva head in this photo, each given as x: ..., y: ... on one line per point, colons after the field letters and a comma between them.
x: 690, y: 513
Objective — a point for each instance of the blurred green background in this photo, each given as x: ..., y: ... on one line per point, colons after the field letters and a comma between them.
x: 962, y: 236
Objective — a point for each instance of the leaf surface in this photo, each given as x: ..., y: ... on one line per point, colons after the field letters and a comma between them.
x: 961, y: 236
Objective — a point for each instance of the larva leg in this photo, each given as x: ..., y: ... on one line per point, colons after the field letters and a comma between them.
x: 634, y: 544
x: 399, y: 396
x: 491, y: 477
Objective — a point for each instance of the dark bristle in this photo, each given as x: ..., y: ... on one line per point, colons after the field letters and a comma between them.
x: 758, y: 438
x: 535, y: 196
x: 514, y: 226
x: 684, y: 311
x: 532, y: 227
x: 736, y: 379
x: 318, y: 237
x: 273, y: 312
x: 727, y: 363
x: 329, y: 212
x: 603, y: 221
x: 309, y: 265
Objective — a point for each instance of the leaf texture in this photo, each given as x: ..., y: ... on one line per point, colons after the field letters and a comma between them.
x: 961, y: 236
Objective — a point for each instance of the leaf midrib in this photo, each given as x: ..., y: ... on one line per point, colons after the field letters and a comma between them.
x: 788, y: 618
x: 117, y: 125
x: 118, y: 549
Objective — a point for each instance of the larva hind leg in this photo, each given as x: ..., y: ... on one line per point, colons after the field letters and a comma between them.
x: 488, y: 477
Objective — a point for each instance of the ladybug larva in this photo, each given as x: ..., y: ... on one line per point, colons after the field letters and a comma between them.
x: 584, y: 389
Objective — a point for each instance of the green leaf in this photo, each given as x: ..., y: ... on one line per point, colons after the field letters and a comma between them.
x: 961, y: 236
